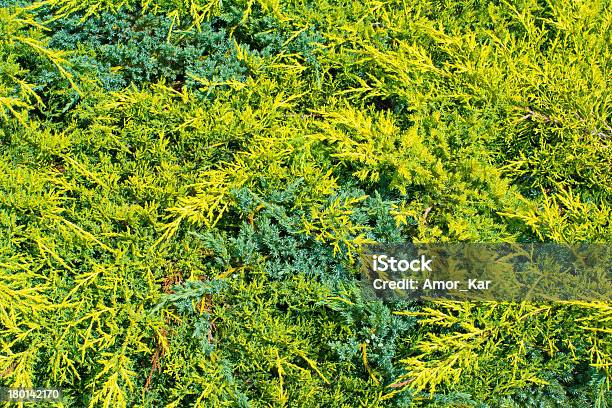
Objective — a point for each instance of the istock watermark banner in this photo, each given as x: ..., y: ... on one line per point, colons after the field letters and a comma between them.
x: 500, y: 272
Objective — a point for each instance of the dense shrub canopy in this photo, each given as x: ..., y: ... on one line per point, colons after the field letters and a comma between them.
x: 185, y: 187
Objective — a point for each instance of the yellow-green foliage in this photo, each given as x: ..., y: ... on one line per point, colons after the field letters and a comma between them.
x: 185, y: 188
x: 501, y: 347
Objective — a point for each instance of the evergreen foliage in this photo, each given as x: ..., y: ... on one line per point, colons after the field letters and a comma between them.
x: 185, y: 187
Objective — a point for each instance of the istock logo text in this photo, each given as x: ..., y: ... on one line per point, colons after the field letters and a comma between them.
x: 382, y: 263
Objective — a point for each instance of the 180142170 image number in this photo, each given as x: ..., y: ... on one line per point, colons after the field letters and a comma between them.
x: 30, y: 394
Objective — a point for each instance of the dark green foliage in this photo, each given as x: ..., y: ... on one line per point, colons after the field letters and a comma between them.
x: 137, y: 49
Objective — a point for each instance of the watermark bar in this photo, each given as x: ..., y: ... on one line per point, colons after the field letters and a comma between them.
x: 490, y: 272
